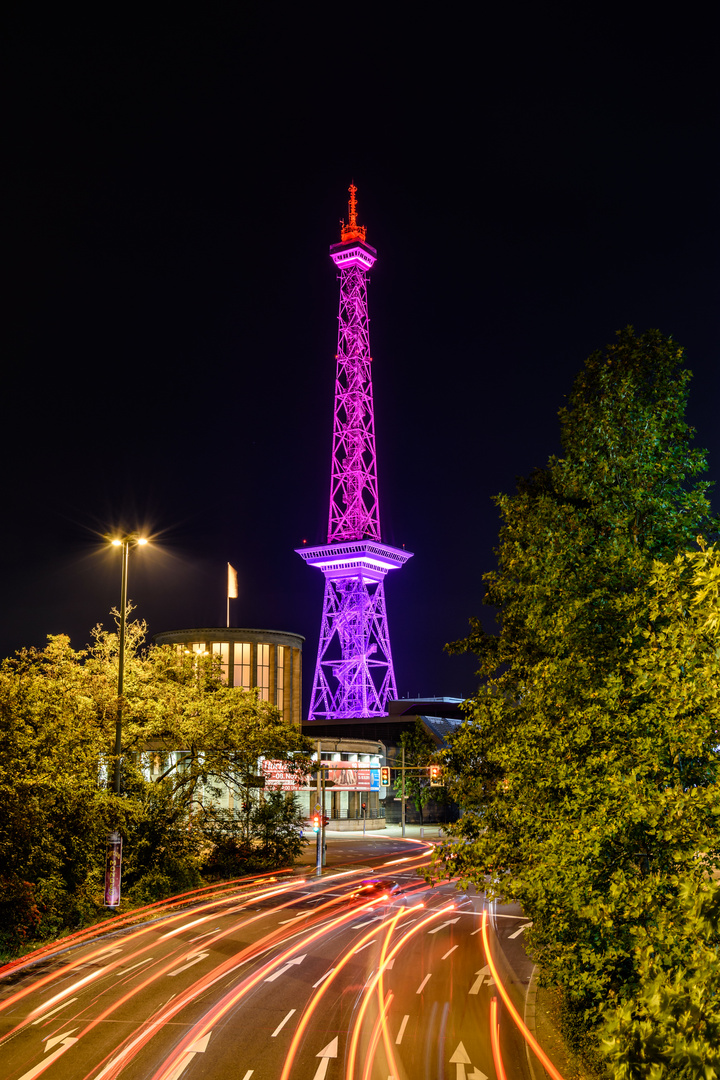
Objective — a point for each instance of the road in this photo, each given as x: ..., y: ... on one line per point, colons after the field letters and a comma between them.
x: 296, y: 978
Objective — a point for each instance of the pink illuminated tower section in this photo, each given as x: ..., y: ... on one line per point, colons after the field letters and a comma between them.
x: 354, y: 674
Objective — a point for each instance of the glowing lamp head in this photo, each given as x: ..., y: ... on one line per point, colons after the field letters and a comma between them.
x: 142, y: 540
x: 116, y: 543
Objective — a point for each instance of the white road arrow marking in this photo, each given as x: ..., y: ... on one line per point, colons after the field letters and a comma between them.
x: 286, y: 967
x: 195, y: 959
x: 442, y: 926
x: 482, y: 974
x: 460, y: 1059
x: 42, y: 1065
x: 198, y: 1047
x: 329, y: 1051
x: 519, y: 932
x: 49, y: 1043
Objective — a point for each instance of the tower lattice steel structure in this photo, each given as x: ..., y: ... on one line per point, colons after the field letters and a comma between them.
x: 354, y: 674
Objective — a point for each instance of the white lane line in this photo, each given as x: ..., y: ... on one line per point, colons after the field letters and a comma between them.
x: 476, y: 931
x: 364, y: 946
x: 187, y: 926
x: 194, y: 958
x: 294, y: 919
x: 324, y: 977
x: 401, y: 1032
x: 360, y: 925
x: 282, y: 1024
x: 448, y: 952
x: 201, y: 936
x: 248, y: 1074
x: 52, y: 1012
x: 421, y: 987
x: 139, y: 964
x: 67, y: 991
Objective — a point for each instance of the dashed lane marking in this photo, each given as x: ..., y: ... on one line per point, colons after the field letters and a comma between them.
x: 282, y: 1024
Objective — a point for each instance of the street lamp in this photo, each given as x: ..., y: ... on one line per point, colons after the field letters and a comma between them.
x: 113, y: 864
x: 125, y: 542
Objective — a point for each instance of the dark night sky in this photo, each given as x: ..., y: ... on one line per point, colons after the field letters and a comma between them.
x: 171, y: 186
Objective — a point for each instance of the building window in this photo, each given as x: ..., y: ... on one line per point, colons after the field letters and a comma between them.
x: 222, y: 649
x: 241, y: 665
x: 279, y: 677
x: 263, y: 671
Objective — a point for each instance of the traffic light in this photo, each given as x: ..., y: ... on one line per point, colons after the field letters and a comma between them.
x: 316, y: 823
x: 385, y: 776
x: 435, y: 780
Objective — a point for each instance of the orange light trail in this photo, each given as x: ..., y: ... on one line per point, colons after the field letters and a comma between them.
x: 374, y: 981
x: 123, y: 960
x: 108, y: 925
x: 126, y: 1053
x: 315, y: 1000
x: 375, y: 1036
x: 231, y: 999
x: 495, y: 1040
x: 389, y: 1052
x: 522, y: 1027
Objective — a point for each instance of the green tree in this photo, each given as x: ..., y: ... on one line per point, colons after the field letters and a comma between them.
x: 587, y: 766
x: 57, y: 723
x: 420, y: 750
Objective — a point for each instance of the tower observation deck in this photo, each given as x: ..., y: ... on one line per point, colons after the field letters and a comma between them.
x: 354, y: 674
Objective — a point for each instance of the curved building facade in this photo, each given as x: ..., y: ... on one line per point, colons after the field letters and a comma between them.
x: 269, y: 660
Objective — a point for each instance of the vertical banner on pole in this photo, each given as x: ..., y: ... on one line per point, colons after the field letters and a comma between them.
x: 113, y: 870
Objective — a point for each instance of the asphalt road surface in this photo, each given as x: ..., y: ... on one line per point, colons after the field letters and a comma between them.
x: 296, y: 978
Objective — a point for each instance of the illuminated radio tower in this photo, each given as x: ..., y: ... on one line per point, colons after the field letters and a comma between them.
x: 354, y: 673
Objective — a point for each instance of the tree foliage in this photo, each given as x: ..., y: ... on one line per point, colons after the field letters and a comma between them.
x: 186, y: 738
x: 587, y: 767
x: 671, y: 1028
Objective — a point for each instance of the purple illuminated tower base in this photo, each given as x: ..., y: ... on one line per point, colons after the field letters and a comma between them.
x: 354, y: 674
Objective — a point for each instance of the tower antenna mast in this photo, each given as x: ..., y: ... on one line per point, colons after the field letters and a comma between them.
x: 354, y: 674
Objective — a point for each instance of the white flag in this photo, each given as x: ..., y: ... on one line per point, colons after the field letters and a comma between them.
x: 232, y: 583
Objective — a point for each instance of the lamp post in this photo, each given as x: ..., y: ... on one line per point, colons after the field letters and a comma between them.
x: 113, y: 864
x: 125, y: 543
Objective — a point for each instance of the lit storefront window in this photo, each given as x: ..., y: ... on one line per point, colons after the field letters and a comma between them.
x: 279, y: 677
x: 222, y: 649
x: 263, y: 671
x: 241, y: 665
